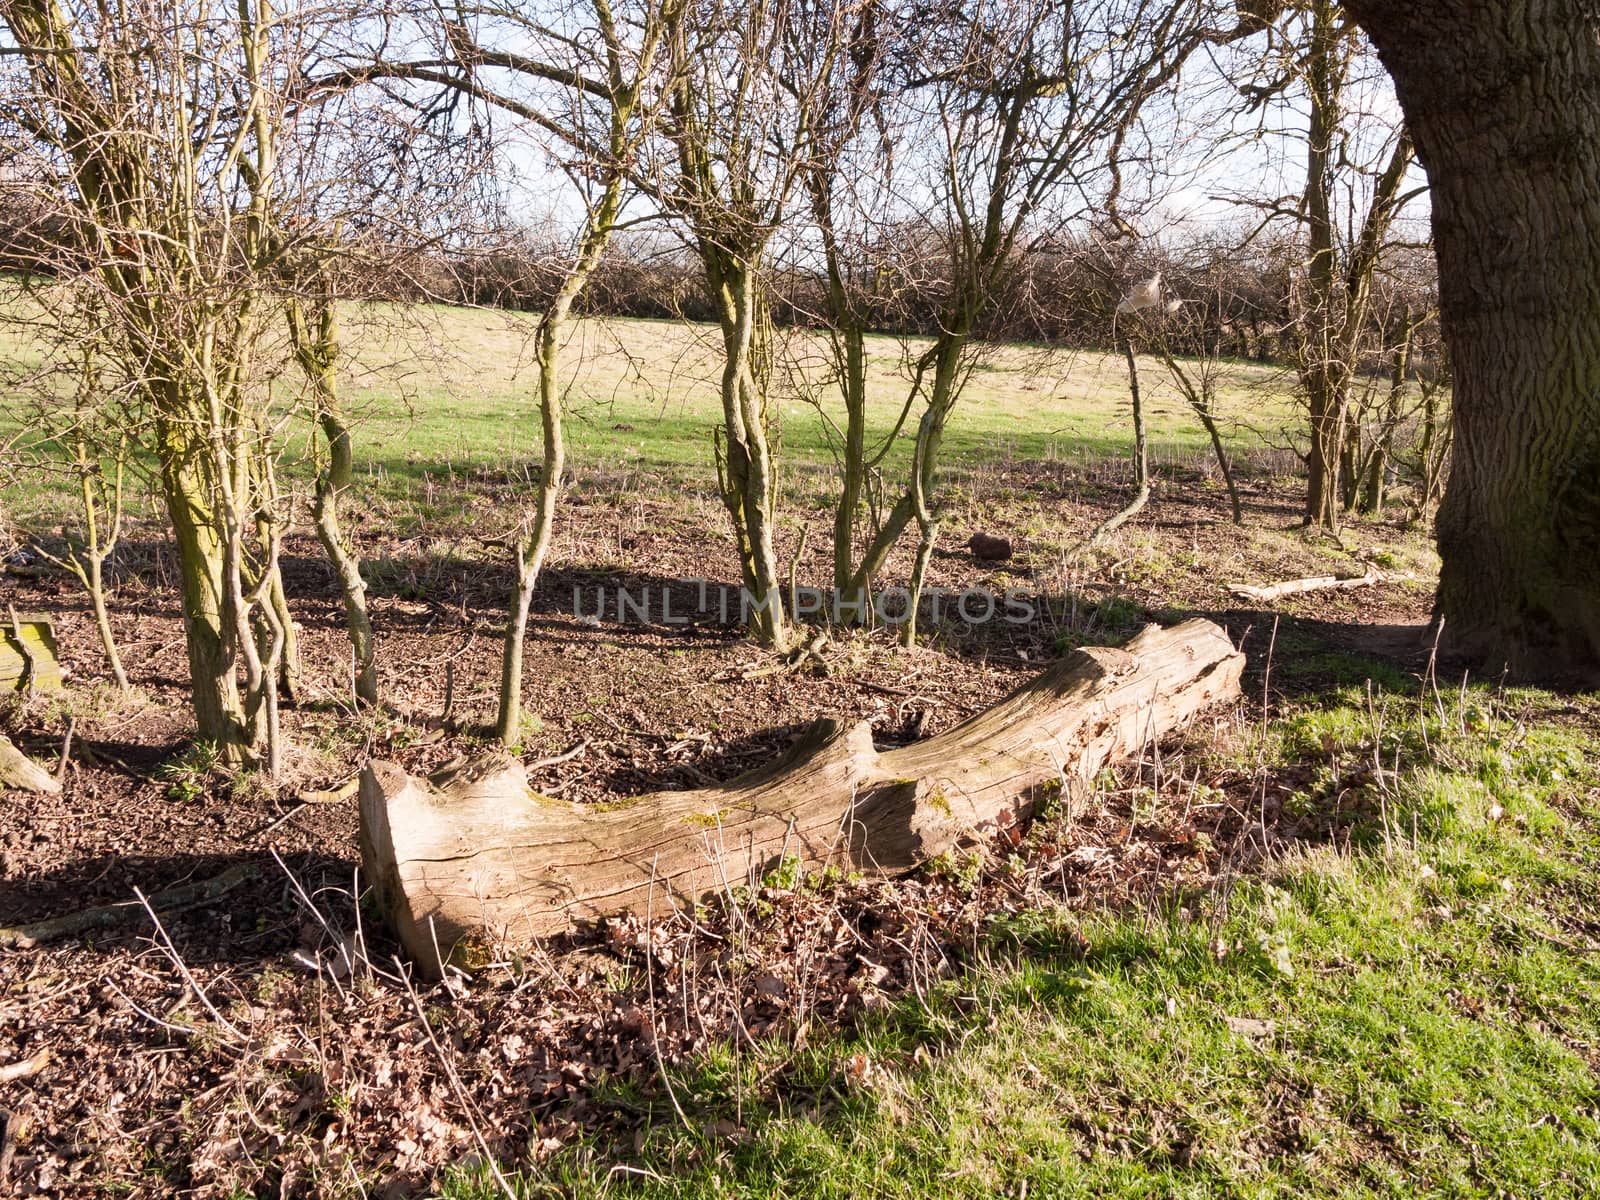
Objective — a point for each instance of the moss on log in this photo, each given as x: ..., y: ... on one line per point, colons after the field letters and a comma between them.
x: 31, y: 660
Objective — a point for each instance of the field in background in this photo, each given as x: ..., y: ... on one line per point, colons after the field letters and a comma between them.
x: 439, y: 392
x: 456, y: 385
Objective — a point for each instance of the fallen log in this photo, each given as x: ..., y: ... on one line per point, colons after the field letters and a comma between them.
x: 1317, y: 583
x: 19, y: 771
x: 467, y: 867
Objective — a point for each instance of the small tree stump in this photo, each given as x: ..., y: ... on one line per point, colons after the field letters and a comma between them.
x: 470, y: 867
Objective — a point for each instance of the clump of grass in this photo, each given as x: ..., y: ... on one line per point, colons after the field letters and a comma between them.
x: 188, y: 773
x: 1106, y: 622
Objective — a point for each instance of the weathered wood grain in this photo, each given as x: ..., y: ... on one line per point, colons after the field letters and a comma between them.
x: 479, y: 863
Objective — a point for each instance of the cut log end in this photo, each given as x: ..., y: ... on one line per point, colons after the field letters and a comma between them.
x: 19, y: 771
x: 471, y: 867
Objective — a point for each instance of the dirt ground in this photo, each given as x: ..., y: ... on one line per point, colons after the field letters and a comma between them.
x: 234, y: 1050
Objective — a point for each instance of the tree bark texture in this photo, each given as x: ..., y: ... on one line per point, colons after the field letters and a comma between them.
x: 746, y: 461
x: 219, y: 715
x: 1503, y: 101
x: 318, y: 354
x: 481, y: 864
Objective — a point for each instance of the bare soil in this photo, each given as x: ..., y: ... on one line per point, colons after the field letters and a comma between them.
x: 236, y: 1049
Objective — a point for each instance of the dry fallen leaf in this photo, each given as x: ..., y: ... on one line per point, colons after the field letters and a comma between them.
x: 1251, y: 1027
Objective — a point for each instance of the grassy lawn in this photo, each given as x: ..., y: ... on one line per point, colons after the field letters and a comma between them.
x: 661, y: 378
x: 1406, y: 1007
x: 443, y: 395
x: 472, y: 403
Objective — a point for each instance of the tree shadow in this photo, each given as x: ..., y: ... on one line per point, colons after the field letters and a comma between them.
x: 694, y: 766
x: 261, y: 916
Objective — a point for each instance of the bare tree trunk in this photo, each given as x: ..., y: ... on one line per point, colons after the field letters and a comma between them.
x: 1200, y: 395
x: 88, y: 562
x: 531, y: 549
x: 853, y: 454
x: 1350, y: 459
x: 219, y: 716
x: 1503, y: 99
x: 927, y: 523
x: 1317, y: 330
x: 331, y: 486
x: 746, y: 466
x: 1433, y: 447
x: 95, y: 570
x: 944, y: 359
x: 1141, y: 464
x: 287, y: 671
x: 318, y: 354
x: 1223, y: 465
x: 1375, y: 484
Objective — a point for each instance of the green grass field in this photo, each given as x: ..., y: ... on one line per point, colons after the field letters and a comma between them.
x: 439, y: 392
x: 470, y: 401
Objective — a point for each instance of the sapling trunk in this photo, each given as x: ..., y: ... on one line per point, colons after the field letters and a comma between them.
x: 95, y: 584
x: 1141, y: 463
x: 1223, y: 465
x: 317, y: 351
x: 927, y: 522
x: 1375, y: 482
x: 531, y: 548
x: 1199, y: 394
x: 288, y: 664
x: 87, y: 561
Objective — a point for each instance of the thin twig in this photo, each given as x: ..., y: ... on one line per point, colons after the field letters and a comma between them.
x: 27, y: 1068
x: 455, y: 1082
x: 650, y: 985
x: 66, y: 749
x: 176, y: 959
x: 556, y: 759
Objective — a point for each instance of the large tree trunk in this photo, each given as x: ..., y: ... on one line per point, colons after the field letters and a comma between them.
x: 213, y: 686
x: 1503, y: 100
x: 481, y: 863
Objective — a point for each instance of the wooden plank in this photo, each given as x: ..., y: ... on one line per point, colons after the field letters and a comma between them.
x: 38, y: 646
